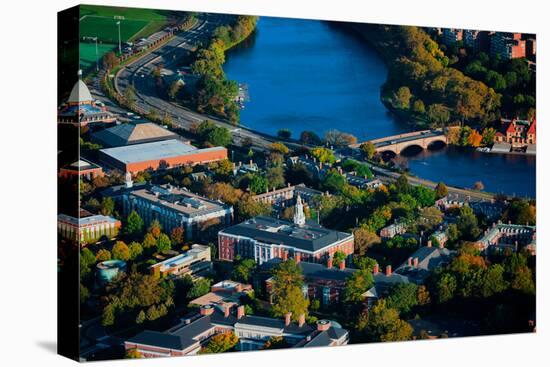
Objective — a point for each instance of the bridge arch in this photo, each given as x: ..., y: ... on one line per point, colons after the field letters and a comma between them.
x: 436, y: 143
x: 414, y: 147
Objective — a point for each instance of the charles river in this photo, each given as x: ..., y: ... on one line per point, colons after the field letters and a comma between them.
x: 311, y: 75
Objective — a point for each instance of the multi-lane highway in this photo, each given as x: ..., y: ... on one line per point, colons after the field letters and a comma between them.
x: 140, y: 75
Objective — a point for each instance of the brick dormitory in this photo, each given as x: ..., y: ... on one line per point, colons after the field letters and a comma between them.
x: 195, y: 329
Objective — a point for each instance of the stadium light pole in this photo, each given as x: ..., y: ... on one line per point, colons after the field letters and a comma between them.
x: 96, y: 56
x: 119, y: 42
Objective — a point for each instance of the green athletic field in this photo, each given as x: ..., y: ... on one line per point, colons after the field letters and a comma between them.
x: 88, y: 54
x: 100, y: 22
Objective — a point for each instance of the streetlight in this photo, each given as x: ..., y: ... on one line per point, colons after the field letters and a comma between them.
x: 96, y: 51
x: 119, y: 42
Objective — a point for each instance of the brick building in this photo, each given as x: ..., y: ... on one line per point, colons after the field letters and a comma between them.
x: 265, y: 238
x: 87, y: 228
x: 451, y: 36
x: 508, y: 45
x: 196, y: 329
x: 175, y: 207
x: 82, y: 168
x: 509, y: 236
x: 287, y: 195
x: 518, y: 133
x: 159, y: 155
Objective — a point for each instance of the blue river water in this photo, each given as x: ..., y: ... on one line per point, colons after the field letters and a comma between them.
x: 312, y: 75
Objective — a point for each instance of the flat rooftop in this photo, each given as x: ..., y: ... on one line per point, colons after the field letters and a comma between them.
x: 185, y: 202
x: 154, y: 151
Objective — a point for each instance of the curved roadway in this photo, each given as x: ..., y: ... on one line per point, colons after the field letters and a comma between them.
x: 139, y: 73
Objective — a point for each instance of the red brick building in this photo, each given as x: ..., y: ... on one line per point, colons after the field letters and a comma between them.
x: 266, y: 238
x: 158, y: 155
x: 82, y: 168
x: 518, y: 133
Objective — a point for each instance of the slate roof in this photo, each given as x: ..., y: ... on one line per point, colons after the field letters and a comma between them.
x: 309, y: 237
x: 429, y: 258
x: 162, y: 340
x: 132, y: 133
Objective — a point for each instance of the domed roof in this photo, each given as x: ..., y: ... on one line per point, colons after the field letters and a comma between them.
x: 80, y: 93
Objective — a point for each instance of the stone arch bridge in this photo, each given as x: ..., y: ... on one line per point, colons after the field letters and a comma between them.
x: 397, y: 143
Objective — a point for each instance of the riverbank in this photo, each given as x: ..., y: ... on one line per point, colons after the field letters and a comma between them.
x: 215, y: 94
x: 420, y: 83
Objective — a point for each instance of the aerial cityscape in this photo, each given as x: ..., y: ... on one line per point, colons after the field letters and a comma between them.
x: 236, y: 183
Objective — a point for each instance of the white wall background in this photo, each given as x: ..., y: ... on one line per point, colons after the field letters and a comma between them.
x: 28, y: 205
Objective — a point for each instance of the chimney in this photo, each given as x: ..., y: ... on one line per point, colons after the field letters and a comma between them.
x: 415, y: 262
x: 409, y: 261
x: 226, y: 311
x: 376, y: 269
x: 388, y: 270
x: 429, y: 243
x: 297, y: 258
x: 441, y: 245
x: 206, y: 310
x: 329, y: 263
x: 342, y: 265
x: 302, y: 320
x: 240, y: 312
x: 288, y: 315
x: 250, y: 162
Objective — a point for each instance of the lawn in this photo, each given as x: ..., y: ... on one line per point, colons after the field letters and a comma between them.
x: 88, y: 55
x: 100, y: 22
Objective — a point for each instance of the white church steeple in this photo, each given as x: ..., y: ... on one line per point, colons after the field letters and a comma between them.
x: 299, y: 217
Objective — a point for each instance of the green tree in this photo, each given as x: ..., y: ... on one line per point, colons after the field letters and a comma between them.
x: 520, y: 211
x: 493, y: 281
x: 419, y: 107
x: 140, y: 318
x: 402, y: 184
x: 339, y: 257
x: 385, y: 325
x: 87, y: 260
x: 324, y: 155
x: 134, y: 224
x: 248, y: 208
x: 164, y: 243
x: 219, y: 136
x: 149, y: 241
x: 357, y: 284
x: 402, y: 98
x: 107, y: 206
x: 441, y: 190
x: 333, y: 181
x: 445, y: 288
x: 467, y: 223
x: 220, y: 343
x: 135, y: 250
x: 287, y: 290
x: 438, y: 114
x: 121, y: 251
x: 403, y: 297
x: 103, y: 255
x: 258, y: 183
x: 243, y: 270
x: 368, y: 149
x: 200, y: 288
